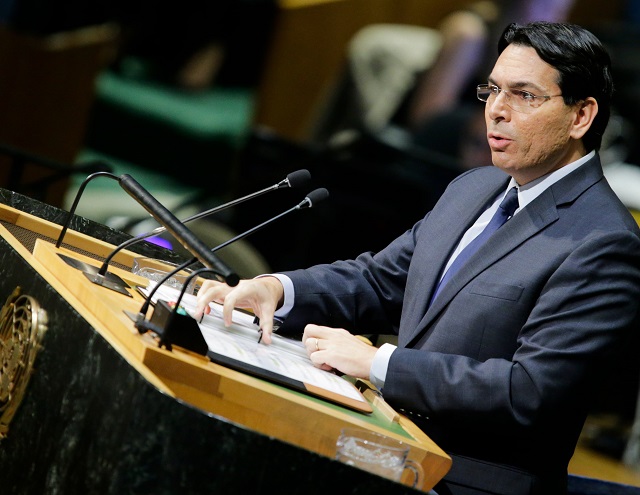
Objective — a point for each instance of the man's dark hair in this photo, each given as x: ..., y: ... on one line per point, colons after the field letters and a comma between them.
x: 582, y: 62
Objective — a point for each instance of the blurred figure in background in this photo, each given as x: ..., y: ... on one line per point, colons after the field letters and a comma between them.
x: 423, y: 80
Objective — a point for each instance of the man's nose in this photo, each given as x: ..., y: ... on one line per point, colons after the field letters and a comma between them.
x: 499, y: 106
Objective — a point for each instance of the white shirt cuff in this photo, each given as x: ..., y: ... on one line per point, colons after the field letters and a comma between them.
x: 378, y: 373
x: 289, y: 294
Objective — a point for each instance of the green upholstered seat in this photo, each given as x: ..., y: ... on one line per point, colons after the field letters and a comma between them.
x: 176, y: 132
x: 221, y: 112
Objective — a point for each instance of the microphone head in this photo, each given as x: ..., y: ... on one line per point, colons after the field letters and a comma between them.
x: 315, y: 196
x: 298, y: 178
x: 232, y: 279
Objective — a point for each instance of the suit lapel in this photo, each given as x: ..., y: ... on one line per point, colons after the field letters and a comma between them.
x: 447, y: 223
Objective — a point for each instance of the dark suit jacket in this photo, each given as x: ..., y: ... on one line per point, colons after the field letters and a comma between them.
x: 499, y: 370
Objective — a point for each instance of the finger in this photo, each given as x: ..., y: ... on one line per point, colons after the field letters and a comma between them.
x: 210, y: 291
x: 238, y: 297
x: 265, y: 311
x: 311, y: 345
x: 200, y: 299
x: 202, y: 303
x: 228, y: 307
x: 318, y: 359
x: 310, y: 331
x: 326, y: 367
x: 266, y: 325
x: 200, y: 312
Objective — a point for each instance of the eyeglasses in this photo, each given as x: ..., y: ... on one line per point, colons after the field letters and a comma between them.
x: 516, y: 99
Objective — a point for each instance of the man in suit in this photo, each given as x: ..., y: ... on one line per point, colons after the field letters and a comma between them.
x: 499, y: 366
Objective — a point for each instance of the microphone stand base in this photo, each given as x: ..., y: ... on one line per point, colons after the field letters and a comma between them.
x: 109, y: 280
x: 176, y: 328
x: 109, y: 284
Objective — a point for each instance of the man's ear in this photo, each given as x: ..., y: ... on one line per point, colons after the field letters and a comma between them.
x: 585, y: 114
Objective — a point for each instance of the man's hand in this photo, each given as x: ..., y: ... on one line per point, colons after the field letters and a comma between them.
x: 335, y: 348
x: 262, y: 295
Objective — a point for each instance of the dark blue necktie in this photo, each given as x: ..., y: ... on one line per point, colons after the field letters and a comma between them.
x: 506, y: 209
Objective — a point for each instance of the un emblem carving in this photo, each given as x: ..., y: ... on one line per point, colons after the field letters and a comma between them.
x: 22, y: 326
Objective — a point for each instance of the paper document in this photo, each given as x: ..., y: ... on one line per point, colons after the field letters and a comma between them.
x: 284, y: 357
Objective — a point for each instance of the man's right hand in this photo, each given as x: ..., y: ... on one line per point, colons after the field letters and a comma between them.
x: 262, y: 295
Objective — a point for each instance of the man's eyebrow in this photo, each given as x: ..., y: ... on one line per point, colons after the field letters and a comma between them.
x: 519, y: 85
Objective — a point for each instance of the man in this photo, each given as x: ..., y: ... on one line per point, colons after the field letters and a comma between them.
x: 497, y: 368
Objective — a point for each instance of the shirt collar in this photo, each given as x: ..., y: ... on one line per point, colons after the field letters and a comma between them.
x: 533, y: 189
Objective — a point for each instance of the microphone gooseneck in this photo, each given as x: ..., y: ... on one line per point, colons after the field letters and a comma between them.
x: 188, y: 281
x: 76, y: 200
x: 294, y: 179
x: 312, y: 198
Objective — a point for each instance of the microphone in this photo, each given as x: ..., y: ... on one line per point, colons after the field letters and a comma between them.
x: 187, y: 238
x: 294, y: 179
x: 111, y: 280
x: 162, y: 323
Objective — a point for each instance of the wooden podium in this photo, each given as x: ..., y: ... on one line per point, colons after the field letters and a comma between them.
x: 108, y: 411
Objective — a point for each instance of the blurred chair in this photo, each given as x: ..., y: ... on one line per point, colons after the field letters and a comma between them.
x: 46, y: 93
x: 307, y: 53
x: 169, y: 130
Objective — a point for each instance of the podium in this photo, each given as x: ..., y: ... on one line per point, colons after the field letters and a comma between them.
x: 107, y: 411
